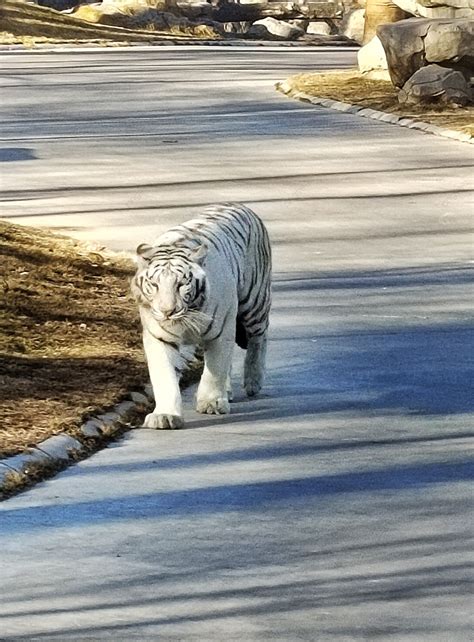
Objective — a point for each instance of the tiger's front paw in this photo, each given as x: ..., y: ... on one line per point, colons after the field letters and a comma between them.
x: 163, y: 422
x: 216, y: 406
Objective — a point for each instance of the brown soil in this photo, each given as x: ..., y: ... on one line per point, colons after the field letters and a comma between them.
x: 70, y: 340
x: 351, y: 87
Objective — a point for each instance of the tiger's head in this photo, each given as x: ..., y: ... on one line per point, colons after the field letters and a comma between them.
x: 171, y: 283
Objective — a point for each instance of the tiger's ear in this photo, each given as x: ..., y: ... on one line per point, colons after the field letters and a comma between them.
x: 144, y: 254
x: 199, y: 253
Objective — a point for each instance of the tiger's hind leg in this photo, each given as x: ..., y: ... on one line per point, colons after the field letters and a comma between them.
x: 254, y: 365
x: 228, y: 385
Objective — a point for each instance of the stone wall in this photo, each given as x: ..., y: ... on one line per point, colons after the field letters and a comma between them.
x: 311, y: 21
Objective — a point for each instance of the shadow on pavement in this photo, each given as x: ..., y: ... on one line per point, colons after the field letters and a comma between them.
x: 235, y: 497
x: 12, y: 154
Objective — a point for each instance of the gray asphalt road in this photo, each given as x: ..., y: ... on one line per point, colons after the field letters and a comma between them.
x: 338, y: 506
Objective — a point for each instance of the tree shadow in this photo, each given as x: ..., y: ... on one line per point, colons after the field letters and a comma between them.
x: 288, y: 449
x: 348, y: 590
x: 14, y: 154
x: 66, y: 380
x: 243, y: 497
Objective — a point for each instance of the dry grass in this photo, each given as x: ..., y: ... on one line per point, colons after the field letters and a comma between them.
x: 70, y: 340
x: 352, y: 87
x: 22, y: 23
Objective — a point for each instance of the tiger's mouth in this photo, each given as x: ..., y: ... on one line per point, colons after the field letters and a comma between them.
x: 159, y: 315
x: 186, y: 321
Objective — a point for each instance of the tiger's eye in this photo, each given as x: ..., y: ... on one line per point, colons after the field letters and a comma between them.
x: 149, y: 288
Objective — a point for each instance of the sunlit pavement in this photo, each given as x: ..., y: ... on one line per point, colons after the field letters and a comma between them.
x: 338, y: 506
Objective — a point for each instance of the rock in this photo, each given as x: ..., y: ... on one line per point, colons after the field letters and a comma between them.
x: 436, y: 84
x: 110, y: 419
x: 138, y: 17
x: 92, y: 428
x: 318, y: 9
x: 218, y: 17
x: 89, y: 12
x: 19, y: 463
x: 193, y: 9
x: 124, y: 408
x: 302, y: 23
x: 273, y: 29
x: 60, y: 446
x: 237, y: 27
x: 139, y: 398
x: 437, y: 8
x: 252, y: 10
x: 450, y: 41
x: 318, y: 28
x: 352, y: 25
x: 417, y: 42
x: 148, y: 389
x: 373, y: 61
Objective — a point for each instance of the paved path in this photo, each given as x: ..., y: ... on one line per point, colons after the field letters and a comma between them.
x: 335, y: 507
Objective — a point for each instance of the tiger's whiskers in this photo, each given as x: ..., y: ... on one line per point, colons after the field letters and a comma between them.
x: 194, y: 321
x: 200, y: 318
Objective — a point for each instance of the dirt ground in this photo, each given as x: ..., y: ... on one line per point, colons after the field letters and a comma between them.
x: 352, y: 87
x: 70, y: 339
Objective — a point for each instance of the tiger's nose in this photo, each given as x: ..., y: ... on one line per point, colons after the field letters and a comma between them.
x: 167, y: 310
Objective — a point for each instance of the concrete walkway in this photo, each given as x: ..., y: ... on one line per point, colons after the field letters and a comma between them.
x: 338, y: 505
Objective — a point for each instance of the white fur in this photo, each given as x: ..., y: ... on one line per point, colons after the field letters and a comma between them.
x: 163, y: 362
x: 220, y: 306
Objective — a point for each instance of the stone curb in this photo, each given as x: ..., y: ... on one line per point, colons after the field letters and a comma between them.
x: 62, y: 449
x: 382, y: 116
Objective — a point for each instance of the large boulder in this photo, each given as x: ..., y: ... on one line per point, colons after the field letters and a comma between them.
x: 273, y: 29
x: 417, y: 42
x: 352, y: 25
x: 373, y: 61
x: 436, y: 84
x: 437, y: 8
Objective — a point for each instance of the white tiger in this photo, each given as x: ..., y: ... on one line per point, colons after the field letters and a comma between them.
x: 206, y: 282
